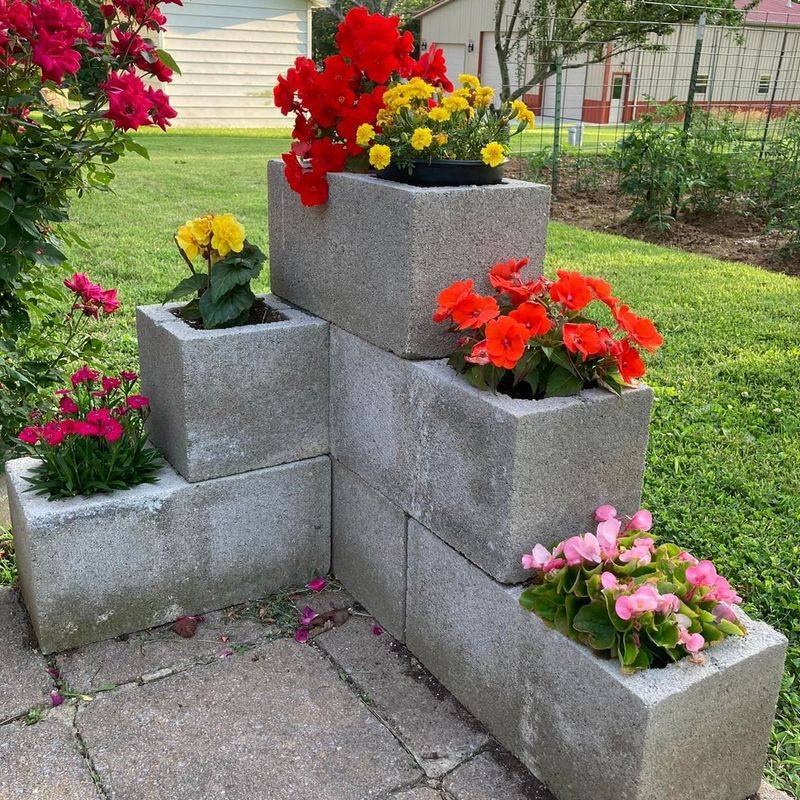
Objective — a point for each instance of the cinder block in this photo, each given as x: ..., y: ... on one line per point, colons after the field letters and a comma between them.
x: 373, y: 259
x: 94, y: 568
x: 581, y: 726
x: 489, y: 474
x: 369, y: 548
x: 237, y: 399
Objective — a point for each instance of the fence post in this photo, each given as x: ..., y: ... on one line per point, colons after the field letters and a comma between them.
x: 556, y: 166
x: 772, y: 95
x: 689, y: 107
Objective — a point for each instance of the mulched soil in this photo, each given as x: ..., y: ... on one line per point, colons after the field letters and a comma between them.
x: 260, y: 314
x: 594, y: 202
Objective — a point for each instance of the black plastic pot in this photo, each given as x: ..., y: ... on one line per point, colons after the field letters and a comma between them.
x: 441, y: 172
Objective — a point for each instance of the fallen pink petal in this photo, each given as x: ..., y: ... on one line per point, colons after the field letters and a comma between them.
x: 317, y: 584
x: 377, y: 630
x: 301, y: 635
x: 307, y: 616
x: 56, y: 699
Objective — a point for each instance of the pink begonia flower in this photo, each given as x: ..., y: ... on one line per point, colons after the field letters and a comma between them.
x: 604, y: 513
x: 377, y: 630
x: 553, y: 564
x: 693, y: 642
x: 644, y: 599
x: 317, y: 584
x: 537, y: 558
x: 722, y: 592
x: 668, y: 603
x: 607, y: 533
x: 703, y: 573
x: 609, y: 581
x: 641, y: 551
x: 307, y: 616
x: 687, y: 557
x: 683, y: 620
x: 724, y: 611
x: 642, y: 520
x: 301, y: 635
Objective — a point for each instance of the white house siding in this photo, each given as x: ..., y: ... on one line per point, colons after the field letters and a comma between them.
x: 230, y: 54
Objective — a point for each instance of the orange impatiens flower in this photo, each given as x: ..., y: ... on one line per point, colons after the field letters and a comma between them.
x: 474, y: 311
x: 505, y: 342
x: 640, y: 329
x: 584, y: 338
x: 450, y: 297
x: 571, y: 289
x: 534, y: 317
x: 629, y: 362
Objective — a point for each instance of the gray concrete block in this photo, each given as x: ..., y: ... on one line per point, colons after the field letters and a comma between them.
x: 369, y: 548
x: 232, y: 400
x: 94, y: 568
x: 489, y: 474
x: 581, y: 726
x: 373, y: 259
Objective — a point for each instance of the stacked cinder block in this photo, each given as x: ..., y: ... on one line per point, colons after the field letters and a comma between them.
x: 438, y: 488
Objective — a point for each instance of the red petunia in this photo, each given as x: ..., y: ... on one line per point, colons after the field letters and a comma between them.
x: 572, y: 290
x: 432, y: 68
x: 474, y: 311
x: 534, y: 317
x: 584, y: 338
x: 505, y: 342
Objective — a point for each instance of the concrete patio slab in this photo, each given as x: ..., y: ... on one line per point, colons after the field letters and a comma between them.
x: 23, y: 680
x: 491, y: 775
x: 43, y: 762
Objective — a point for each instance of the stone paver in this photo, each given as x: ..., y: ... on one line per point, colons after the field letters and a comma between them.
x: 124, y: 660
x: 276, y: 723
x: 492, y: 775
x: 23, y: 680
x: 434, y: 727
x: 420, y: 793
x: 42, y: 762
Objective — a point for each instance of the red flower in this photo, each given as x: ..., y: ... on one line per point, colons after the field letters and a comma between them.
x: 534, y: 317
x: 640, y: 329
x: 68, y: 405
x: 602, y: 291
x: 53, y: 434
x: 100, y: 423
x: 583, y: 338
x: 327, y: 155
x: 474, y: 311
x: 137, y: 401
x: 450, y: 297
x: 505, y: 342
x: 161, y: 112
x: 110, y: 384
x: 29, y: 435
x: 432, y: 68
x: 131, y: 377
x: 479, y: 354
x: 84, y: 375
x: 629, y: 362
x: 128, y: 102
x: 572, y: 290
x: 506, y: 277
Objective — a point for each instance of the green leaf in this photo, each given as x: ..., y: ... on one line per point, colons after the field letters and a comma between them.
x: 218, y: 313
x: 188, y: 286
x: 228, y: 274
x: 49, y: 255
x: 593, y: 620
x: 135, y: 147
x: 562, y: 383
x: 6, y: 200
x: 168, y: 60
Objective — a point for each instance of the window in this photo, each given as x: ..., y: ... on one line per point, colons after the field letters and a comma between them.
x: 764, y: 82
x: 617, y: 87
x: 701, y: 84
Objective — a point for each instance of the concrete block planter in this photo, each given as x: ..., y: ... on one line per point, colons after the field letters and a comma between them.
x: 237, y: 399
x: 375, y: 257
x: 585, y: 729
x: 95, y: 568
x: 369, y: 548
x: 489, y: 474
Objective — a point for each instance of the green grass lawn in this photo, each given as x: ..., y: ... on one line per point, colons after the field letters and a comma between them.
x: 723, y: 474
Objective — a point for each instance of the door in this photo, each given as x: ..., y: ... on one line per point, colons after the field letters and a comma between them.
x: 455, y: 56
x: 619, y: 93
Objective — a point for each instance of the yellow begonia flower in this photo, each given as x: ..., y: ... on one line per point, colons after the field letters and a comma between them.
x: 439, y: 114
x: 227, y: 235
x: 380, y: 156
x: 454, y: 103
x: 484, y: 96
x: 470, y: 81
x: 201, y: 229
x: 421, y: 138
x: 364, y: 134
x: 493, y: 154
x: 187, y: 242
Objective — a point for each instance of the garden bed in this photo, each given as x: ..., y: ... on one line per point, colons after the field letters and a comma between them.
x: 592, y: 200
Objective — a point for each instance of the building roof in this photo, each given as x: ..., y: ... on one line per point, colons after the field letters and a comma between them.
x: 767, y: 12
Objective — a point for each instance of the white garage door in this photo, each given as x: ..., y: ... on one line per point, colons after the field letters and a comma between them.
x: 490, y: 69
x: 455, y: 55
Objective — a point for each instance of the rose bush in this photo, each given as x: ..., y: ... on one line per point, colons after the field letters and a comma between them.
x: 95, y: 441
x: 224, y: 297
x: 533, y: 338
x: 330, y: 104
x: 420, y: 121
x: 625, y: 597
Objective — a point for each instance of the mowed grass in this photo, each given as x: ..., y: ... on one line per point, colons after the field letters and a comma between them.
x: 723, y: 476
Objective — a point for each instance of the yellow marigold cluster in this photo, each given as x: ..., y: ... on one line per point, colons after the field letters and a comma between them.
x: 484, y: 96
x: 402, y: 95
x: 364, y: 134
x: 521, y: 112
x: 470, y: 81
x: 493, y: 154
x: 216, y: 235
x: 380, y: 156
x: 421, y: 138
x: 453, y: 103
x: 439, y: 114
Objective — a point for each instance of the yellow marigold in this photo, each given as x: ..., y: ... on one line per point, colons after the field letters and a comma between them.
x: 440, y: 138
x: 493, y: 154
x: 527, y: 116
x: 439, y: 114
x: 455, y: 103
x: 380, y: 156
x: 384, y: 118
x: 419, y: 89
x: 518, y: 107
x: 484, y: 96
x: 364, y: 134
x: 465, y: 93
x: 470, y: 81
x: 187, y: 242
x: 396, y: 97
x: 201, y: 229
x: 228, y: 234
x: 421, y: 138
